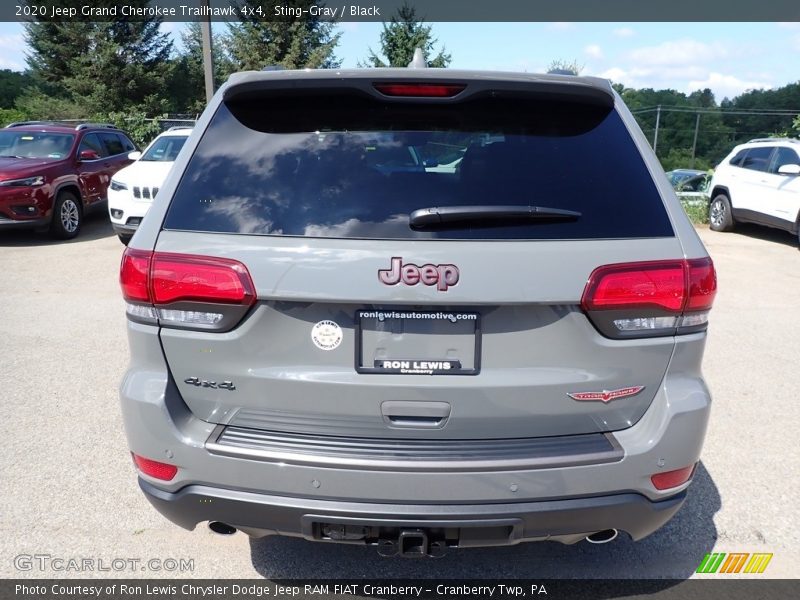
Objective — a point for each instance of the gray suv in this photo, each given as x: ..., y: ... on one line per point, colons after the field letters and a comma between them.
x: 417, y: 309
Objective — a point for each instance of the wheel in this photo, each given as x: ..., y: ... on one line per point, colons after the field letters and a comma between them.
x: 720, y: 215
x: 124, y: 238
x: 67, y: 216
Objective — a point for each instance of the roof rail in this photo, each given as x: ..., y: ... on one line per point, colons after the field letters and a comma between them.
x: 95, y: 126
x: 775, y: 139
x: 24, y: 123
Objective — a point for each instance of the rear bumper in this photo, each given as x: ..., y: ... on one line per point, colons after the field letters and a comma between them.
x: 479, y: 524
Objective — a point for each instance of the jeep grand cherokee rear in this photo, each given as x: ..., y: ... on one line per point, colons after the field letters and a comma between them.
x: 417, y: 309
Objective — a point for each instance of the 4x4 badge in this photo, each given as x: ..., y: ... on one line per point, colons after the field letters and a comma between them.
x: 607, y: 396
x: 442, y: 276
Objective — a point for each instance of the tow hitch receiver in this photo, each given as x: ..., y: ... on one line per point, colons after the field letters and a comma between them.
x: 412, y: 543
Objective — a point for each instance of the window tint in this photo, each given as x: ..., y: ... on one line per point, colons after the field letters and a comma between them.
x: 92, y: 142
x: 783, y: 156
x: 165, y: 148
x: 757, y: 159
x: 352, y: 167
x: 35, y: 144
x: 739, y: 158
x: 113, y: 143
x: 127, y: 145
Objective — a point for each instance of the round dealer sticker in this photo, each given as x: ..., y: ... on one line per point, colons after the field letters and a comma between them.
x: 326, y: 335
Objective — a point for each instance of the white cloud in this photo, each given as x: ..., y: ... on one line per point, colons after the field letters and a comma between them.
x: 11, y: 48
x: 624, y: 32
x: 726, y: 85
x: 594, y: 51
x: 679, y: 52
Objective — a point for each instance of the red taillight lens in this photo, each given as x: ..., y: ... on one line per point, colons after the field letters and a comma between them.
x: 153, y: 468
x: 702, y: 284
x: 179, y: 277
x: 420, y: 90
x: 651, y: 298
x: 133, y: 274
x: 671, y: 479
x: 649, y: 284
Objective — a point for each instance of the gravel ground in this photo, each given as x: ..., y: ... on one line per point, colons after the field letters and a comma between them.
x: 69, y: 489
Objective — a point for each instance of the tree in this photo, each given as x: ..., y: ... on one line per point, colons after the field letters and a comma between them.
x: 101, y: 66
x: 401, y: 36
x: 293, y: 43
x: 571, y: 67
x: 12, y: 84
x: 187, y: 80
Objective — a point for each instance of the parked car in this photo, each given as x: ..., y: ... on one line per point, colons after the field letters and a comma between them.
x: 690, y: 185
x: 52, y: 174
x: 133, y: 188
x: 416, y: 360
x: 758, y: 182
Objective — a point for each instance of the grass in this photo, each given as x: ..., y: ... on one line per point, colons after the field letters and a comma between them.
x: 697, y: 212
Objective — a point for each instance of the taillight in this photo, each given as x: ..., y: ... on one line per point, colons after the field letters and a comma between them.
x: 153, y: 468
x: 672, y: 479
x: 183, y: 290
x: 420, y: 90
x: 651, y: 298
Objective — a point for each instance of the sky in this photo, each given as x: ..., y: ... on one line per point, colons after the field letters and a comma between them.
x: 729, y: 58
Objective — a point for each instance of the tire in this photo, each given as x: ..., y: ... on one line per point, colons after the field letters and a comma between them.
x: 720, y: 214
x: 125, y: 239
x: 67, y: 216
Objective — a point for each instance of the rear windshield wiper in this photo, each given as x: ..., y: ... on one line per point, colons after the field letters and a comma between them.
x: 10, y: 156
x: 438, y: 216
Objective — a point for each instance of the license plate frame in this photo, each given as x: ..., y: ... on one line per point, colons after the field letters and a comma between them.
x: 405, y: 314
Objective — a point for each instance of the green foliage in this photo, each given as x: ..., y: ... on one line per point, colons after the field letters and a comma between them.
x: 571, y: 66
x: 10, y: 115
x: 135, y: 123
x: 681, y: 158
x: 796, y: 126
x: 400, y: 37
x: 38, y: 105
x: 696, y: 211
x: 293, y: 43
x: 187, y: 79
x: 102, y: 66
x: 12, y: 85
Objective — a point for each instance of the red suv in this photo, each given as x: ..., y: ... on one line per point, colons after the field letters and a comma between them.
x: 51, y: 174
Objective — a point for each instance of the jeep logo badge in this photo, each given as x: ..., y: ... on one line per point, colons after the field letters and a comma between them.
x: 442, y: 276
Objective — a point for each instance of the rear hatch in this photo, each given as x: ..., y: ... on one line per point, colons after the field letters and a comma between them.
x: 418, y: 256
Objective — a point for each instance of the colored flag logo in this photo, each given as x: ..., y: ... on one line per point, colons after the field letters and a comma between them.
x: 734, y: 562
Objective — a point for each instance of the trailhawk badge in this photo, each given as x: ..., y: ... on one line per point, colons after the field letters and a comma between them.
x: 607, y: 396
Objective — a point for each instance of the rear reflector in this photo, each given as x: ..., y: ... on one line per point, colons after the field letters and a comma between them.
x: 671, y: 479
x: 153, y: 468
x: 420, y: 90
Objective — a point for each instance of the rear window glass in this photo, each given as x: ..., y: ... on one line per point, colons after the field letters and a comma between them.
x: 349, y: 166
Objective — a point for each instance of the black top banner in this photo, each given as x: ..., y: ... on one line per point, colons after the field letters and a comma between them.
x: 382, y: 10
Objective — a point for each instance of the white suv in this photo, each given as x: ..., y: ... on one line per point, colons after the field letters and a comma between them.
x: 758, y: 182
x: 133, y: 188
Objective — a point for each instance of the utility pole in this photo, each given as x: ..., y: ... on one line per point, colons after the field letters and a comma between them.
x: 208, y: 62
x: 658, y: 120
x: 694, y: 143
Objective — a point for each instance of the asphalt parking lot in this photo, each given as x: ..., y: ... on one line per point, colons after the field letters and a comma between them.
x: 69, y: 490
